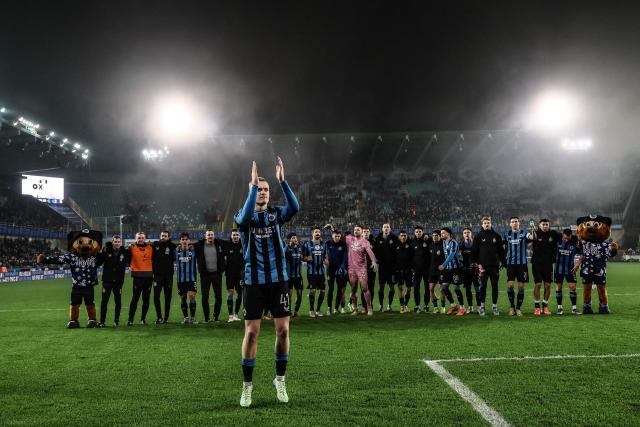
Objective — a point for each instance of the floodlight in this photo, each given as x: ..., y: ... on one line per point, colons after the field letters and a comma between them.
x: 551, y: 112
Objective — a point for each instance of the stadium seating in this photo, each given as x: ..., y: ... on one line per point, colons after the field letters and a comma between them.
x: 21, y: 252
x: 26, y: 211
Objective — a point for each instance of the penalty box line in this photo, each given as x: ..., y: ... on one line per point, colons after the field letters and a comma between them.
x: 492, y: 416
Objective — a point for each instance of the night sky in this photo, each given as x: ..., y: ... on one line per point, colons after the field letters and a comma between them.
x: 91, y: 69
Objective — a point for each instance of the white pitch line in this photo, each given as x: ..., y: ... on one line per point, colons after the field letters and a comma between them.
x: 558, y: 356
x: 492, y: 416
x: 34, y: 309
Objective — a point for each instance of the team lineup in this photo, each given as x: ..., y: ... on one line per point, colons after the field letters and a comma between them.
x: 264, y: 271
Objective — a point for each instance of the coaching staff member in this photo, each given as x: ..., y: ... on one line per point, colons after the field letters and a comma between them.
x: 210, y: 254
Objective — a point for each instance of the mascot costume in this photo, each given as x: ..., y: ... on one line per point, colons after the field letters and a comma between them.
x: 84, y: 258
x: 593, y: 233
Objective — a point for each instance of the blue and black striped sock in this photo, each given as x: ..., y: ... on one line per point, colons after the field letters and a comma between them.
x: 520, y: 297
x: 312, y: 300
x: 281, y: 364
x: 183, y: 306
x: 230, y: 303
x: 559, y: 297
x: 247, y: 369
x: 573, y: 296
x: 511, y: 293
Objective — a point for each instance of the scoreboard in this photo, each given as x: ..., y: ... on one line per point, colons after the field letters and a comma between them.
x: 44, y: 188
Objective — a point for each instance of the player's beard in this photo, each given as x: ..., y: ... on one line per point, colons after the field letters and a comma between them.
x: 261, y: 204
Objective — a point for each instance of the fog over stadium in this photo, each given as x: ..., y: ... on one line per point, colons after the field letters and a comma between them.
x: 351, y: 213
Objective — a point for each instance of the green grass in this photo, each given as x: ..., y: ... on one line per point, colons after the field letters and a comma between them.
x: 342, y: 371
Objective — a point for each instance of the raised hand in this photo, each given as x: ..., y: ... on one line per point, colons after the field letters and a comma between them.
x: 279, y: 170
x: 254, y: 174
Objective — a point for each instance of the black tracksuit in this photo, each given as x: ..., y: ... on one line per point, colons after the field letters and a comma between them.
x: 404, y: 273
x: 420, y: 263
x: 234, y: 269
x: 488, y: 251
x: 210, y: 279
x: 385, y: 250
x: 544, y: 254
x: 163, y: 259
x: 113, y: 271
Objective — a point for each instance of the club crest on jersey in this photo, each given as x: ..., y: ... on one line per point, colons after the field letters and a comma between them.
x: 494, y: 240
x: 424, y: 245
x: 272, y: 217
x: 438, y: 252
x: 406, y: 246
x: 550, y: 239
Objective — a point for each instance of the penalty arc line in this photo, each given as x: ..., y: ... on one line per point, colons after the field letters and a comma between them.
x: 492, y: 416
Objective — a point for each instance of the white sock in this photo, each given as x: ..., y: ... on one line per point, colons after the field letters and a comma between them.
x: 494, y: 306
x: 247, y: 383
x: 279, y: 378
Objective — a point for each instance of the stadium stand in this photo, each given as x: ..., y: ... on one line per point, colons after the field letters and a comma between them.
x: 18, y: 210
x: 21, y: 252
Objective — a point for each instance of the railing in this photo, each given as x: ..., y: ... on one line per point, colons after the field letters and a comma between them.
x: 78, y: 210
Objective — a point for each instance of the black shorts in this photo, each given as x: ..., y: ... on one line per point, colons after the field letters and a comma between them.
x: 316, y: 281
x: 385, y: 276
x: 273, y: 297
x: 569, y: 277
x: 542, y: 273
x: 469, y: 278
x: 233, y: 282
x: 80, y: 293
x: 295, y: 283
x: 518, y: 272
x: 404, y: 277
x: 184, y: 287
x: 435, y: 276
x: 452, y: 277
x: 594, y: 279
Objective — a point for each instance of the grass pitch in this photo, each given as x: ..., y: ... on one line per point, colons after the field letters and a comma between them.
x: 342, y: 370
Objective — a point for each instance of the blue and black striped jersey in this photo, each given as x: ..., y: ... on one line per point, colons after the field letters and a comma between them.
x: 317, y: 252
x: 565, y: 256
x: 451, y: 260
x: 262, y: 243
x: 186, y: 265
x: 516, y: 246
x: 293, y: 254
